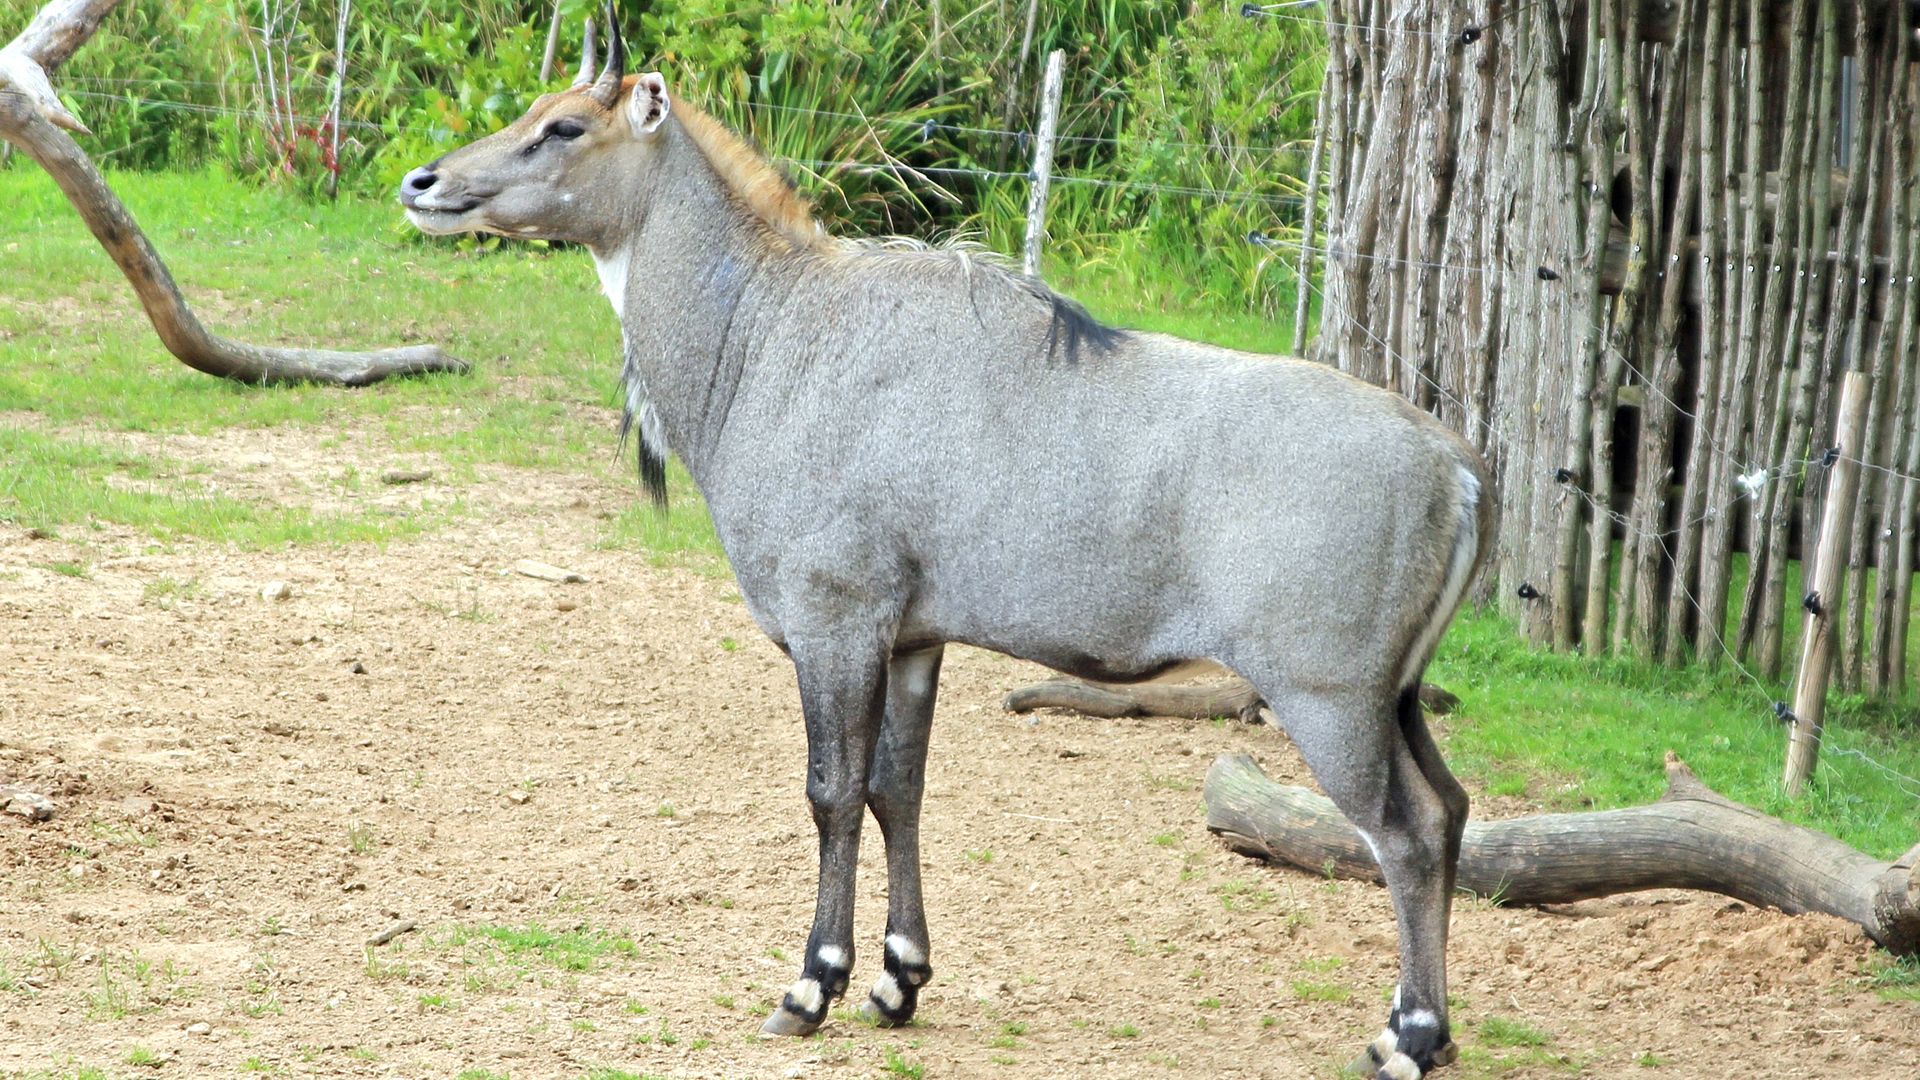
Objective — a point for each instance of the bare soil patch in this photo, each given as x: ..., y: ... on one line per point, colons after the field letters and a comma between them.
x: 596, y: 818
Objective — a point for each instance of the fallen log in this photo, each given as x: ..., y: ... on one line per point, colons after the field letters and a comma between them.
x: 1692, y: 838
x: 1232, y: 697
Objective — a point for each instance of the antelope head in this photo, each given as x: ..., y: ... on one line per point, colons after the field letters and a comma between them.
x: 557, y: 173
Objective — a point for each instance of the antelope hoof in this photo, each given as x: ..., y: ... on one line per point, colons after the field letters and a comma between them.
x: 889, y: 1004
x: 785, y: 1024
x: 1398, y: 1067
x: 873, y: 1012
x: 1374, y: 1058
x: 1383, y: 1060
x: 803, y: 1009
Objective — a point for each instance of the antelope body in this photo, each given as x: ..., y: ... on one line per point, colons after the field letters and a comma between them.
x: 904, y: 447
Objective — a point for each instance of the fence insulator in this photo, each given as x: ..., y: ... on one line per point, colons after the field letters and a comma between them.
x: 1784, y: 714
x: 1526, y: 591
x: 1546, y: 274
x: 1811, y: 602
x: 1469, y: 35
x: 1563, y: 475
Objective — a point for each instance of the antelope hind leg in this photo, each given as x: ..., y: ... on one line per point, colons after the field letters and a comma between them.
x: 895, y: 783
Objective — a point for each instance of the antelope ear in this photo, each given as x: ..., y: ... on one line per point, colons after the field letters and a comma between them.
x: 647, y: 105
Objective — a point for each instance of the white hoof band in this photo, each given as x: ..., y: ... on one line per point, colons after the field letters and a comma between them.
x: 1400, y: 1067
x: 807, y: 995
x: 833, y: 956
x: 909, y: 954
x: 1421, y: 1018
x: 887, y: 992
x: 1385, y: 1045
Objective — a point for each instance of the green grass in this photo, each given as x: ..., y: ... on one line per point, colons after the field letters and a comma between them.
x: 259, y: 265
x: 897, y: 1065
x: 1309, y: 990
x: 1497, y: 1031
x: 578, y: 949
x: 54, y: 481
x: 681, y: 536
x: 1577, y: 733
x: 1897, y: 979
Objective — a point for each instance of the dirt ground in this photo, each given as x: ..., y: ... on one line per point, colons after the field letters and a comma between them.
x: 588, y: 799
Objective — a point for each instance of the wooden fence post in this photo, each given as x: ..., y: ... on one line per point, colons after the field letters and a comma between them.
x: 1823, y: 592
x: 339, y: 85
x: 1042, y: 162
x: 553, y: 45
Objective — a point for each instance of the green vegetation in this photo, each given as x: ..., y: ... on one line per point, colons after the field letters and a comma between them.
x: 1575, y: 733
x: 898, y: 1065
x: 132, y: 985
x: 1308, y: 990
x: 579, y: 949
x: 1897, y: 979
x: 1497, y: 1031
x: 1177, y: 139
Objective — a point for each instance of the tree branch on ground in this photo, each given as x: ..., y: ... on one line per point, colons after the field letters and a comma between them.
x: 31, y: 117
x: 1692, y: 838
x: 1230, y: 697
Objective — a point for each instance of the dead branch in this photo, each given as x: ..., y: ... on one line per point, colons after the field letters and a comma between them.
x: 29, y: 114
x: 1692, y: 838
x: 1232, y: 697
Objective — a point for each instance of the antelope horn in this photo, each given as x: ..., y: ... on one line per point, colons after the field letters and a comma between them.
x: 585, y: 77
x: 606, y: 88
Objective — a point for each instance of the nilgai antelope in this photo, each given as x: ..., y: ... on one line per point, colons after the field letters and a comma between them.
x: 904, y: 447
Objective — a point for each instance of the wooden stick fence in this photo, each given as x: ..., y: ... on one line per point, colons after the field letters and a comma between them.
x: 1632, y: 249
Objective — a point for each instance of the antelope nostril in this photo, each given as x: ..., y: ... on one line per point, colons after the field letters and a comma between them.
x: 420, y: 180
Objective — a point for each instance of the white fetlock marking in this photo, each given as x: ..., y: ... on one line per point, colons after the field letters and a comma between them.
x: 1419, y: 1018
x: 807, y: 994
x: 909, y: 954
x: 833, y: 956
x: 887, y: 992
x: 1396, y: 995
x: 1385, y: 1045
x: 1401, y: 1067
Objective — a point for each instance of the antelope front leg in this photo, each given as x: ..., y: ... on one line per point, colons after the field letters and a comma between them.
x: 841, y: 695
x: 894, y: 786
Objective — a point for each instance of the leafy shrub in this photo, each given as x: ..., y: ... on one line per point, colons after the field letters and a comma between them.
x: 886, y: 114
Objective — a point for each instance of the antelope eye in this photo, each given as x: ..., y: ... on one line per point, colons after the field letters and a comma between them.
x: 566, y: 129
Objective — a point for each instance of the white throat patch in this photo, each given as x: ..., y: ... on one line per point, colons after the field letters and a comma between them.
x: 613, y: 278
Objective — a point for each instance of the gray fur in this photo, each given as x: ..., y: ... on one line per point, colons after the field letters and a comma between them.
x: 904, y: 447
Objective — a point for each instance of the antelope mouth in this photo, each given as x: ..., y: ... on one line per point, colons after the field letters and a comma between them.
x: 444, y: 220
